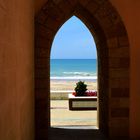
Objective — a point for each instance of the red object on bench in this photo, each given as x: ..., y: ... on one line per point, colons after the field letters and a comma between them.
x: 88, y: 93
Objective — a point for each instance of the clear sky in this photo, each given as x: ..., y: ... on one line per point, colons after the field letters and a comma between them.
x: 73, y: 41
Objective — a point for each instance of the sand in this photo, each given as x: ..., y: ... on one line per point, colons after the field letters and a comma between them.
x: 62, y: 116
x: 64, y: 85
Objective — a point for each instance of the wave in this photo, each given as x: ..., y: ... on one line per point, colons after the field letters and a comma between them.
x: 75, y: 78
x: 78, y: 73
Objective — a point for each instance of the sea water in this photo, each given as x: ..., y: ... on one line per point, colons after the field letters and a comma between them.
x: 73, y: 69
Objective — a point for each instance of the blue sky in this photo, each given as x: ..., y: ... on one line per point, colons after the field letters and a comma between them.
x: 73, y: 41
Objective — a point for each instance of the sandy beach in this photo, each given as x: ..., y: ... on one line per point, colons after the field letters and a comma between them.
x: 59, y: 105
x: 71, y: 118
x: 64, y: 85
x: 61, y: 88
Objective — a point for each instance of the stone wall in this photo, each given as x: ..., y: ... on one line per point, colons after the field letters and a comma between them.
x: 112, y: 45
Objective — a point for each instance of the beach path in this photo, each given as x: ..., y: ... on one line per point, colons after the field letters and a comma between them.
x: 61, y: 116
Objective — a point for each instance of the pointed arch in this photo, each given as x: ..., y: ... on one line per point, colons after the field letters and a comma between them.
x: 112, y: 43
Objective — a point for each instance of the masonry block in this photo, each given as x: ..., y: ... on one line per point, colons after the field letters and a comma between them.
x: 119, y: 112
x: 43, y: 115
x: 41, y: 125
x: 41, y: 83
x: 123, y: 41
x: 122, y: 122
x: 120, y: 92
x: 66, y: 13
x: 73, y: 3
x: 41, y: 18
x: 41, y: 93
x: 119, y: 52
x: 106, y: 24
x: 119, y: 83
x: 102, y: 12
x: 119, y: 102
x: 43, y: 32
x: 84, y: 2
x: 42, y: 105
x: 119, y: 73
x: 112, y: 42
x: 119, y: 29
x: 92, y: 7
x: 119, y: 132
x: 99, y: 2
x: 52, y: 24
x: 42, y: 63
x: 57, y: 1
x: 41, y: 73
x: 41, y: 44
x: 53, y: 13
x: 42, y: 52
x: 119, y: 62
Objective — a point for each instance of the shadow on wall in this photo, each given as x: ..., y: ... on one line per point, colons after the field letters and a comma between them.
x: 75, y: 134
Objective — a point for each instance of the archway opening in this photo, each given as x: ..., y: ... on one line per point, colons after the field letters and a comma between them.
x: 73, y: 58
x: 112, y: 43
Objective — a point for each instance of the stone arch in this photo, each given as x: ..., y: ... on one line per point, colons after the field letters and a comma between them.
x: 112, y: 44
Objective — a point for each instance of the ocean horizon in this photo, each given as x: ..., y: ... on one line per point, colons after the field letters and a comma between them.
x: 73, y: 69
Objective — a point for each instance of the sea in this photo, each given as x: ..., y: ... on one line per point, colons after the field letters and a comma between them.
x: 73, y: 69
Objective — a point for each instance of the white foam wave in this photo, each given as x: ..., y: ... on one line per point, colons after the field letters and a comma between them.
x: 75, y: 78
x: 78, y: 73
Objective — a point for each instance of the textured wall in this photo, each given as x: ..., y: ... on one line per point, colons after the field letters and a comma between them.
x: 113, y: 57
x: 129, y: 11
x: 16, y: 70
